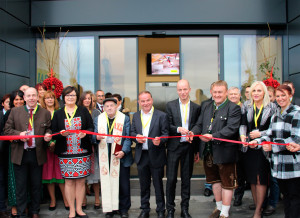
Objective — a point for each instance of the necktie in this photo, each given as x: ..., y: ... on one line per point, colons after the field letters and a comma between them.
x: 29, y: 142
x: 101, y: 109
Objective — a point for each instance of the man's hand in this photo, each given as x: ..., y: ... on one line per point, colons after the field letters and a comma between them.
x: 52, y: 146
x: 254, y: 134
x: 183, y: 131
x: 81, y: 135
x: 23, y: 134
x: 120, y: 154
x: 253, y: 144
x: 156, y: 141
x: 47, y: 137
x: 99, y: 137
x: 206, y: 137
x: 64, y: 132
x: 190, y: 137
x: 293, y: 147
x: 196, y: 158
x: 140, y: 138
x: 243, y: 139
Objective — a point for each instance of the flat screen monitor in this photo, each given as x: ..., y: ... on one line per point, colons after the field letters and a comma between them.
x: 163, y: 64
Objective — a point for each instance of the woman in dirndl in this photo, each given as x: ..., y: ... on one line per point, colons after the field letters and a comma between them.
x: 73, y: 149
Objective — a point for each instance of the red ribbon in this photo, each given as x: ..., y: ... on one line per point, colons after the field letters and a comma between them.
x: 17, y: 137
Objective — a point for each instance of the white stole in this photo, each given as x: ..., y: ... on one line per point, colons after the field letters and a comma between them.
x: 109, y: 176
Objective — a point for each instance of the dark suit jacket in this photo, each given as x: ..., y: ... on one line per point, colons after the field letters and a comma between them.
x: 17, y: 122
x: 296, y: 101
x: 159, y: 127
x: 174, y: 117
x: 58, y: 124
x: 225, y: 125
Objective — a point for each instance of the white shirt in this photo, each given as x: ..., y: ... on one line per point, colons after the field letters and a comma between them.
x: 30, y: 133
x: 185, y: 116
x: 100, y: 107
x: 146, y: 118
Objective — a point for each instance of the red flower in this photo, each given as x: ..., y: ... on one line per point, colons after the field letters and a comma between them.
x: 58, y: 86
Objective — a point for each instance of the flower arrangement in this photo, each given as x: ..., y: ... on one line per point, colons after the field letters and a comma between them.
x: 271, y: 82
x: 54, y: 84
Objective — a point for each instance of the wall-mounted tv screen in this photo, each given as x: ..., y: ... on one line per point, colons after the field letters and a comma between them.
x: 163, y: 64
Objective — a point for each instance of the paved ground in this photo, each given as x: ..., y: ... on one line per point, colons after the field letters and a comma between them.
x: 200, y: 206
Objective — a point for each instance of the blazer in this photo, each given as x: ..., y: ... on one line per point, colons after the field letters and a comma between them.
x: 58, y: 124
x: 174, y: 118
x: 126, y: 143
x: 158, y: 127
x: 225, y: 125
x: 17, y: 122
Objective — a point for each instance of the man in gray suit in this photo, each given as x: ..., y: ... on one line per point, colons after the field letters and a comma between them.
x: 150, y: 155
x: 219, y: 118
x: 182, y: 115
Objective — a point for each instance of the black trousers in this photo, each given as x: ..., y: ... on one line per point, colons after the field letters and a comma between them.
x: 124, y: 187
x: 185, y: 155
x: 241, y: 178
x: 145, y: 172
x: 28, y: 174
x: 290, y: 189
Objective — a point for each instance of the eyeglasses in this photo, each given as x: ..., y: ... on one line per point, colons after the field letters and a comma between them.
x: 48, y: 98
x: 71, y: 96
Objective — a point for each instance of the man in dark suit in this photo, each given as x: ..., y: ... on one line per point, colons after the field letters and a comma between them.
x: 100, y: 96
x: 150, y: 155
x: 29, y: 155
x: 219, y: 118
x: 182, y: 115
x: 295, y: 100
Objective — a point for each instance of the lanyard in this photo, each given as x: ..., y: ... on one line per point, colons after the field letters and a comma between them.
x: 185, y: 111
x: 67, y: 115
x: 239, y: 103
x: 31, y: 118
x: 257, y: 116
x: 52, y: 114
x: 110, y: 128
x: 144, y: 125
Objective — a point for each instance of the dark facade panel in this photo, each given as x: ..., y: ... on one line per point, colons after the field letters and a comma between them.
x: 14, y: 82
x: 2, y: 84
x: 294, y: 63
x: 293, y: 9
x: 295, y: 78
x: 2, y: 24
x: 2, y: 4
x: 103, y: 12
x: 2, y: 56
x: 294, y: 32
x: 16, y: 32
x: 17, y: 61
x: 20, y: 9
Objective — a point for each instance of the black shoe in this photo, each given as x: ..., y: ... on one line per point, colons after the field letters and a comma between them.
x: 109, y: 215
x: 161, y: 214
x: 237, y: 202
x: 144, y: 214
x: 124, y: 214
x: 97, y: 206
x: 252, y: 206
x: 83, y: 207
x: 82, y: 216
x: 185, y: 214
x: 52, y: 208
x: 170, y: 214
x: 268, y: 211
x: 207, y: 192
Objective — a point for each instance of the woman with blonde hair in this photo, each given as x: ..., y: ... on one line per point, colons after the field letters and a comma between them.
x: 51, y: 169
x: 255, y: 121
x: 86, y: 100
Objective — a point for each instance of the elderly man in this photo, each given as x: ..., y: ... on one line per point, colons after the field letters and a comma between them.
x: 182, y: 115
x: 29, y: 154
x: 150, y: 154
x: 115, y: 159
x: 100, y: 96
x: 234, y: 95
x: 219, y: 118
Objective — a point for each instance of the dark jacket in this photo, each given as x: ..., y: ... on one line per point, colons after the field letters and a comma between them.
x: 17, y: 122
x: 58, y: 124
x: 159, y: 127
x: 174, y: 118
x: 225, y: 125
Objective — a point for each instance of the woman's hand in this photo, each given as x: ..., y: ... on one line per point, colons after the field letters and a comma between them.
x: 267, y: 147
x: 253, y: 144
x: 99, y: 137
x: 293, y: 147
x: 52, y: 146
x: 81, y: 135
x: 255, y: 134
x: 64, y: 133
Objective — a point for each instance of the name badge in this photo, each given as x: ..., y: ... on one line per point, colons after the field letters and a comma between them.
x: 109, y: 139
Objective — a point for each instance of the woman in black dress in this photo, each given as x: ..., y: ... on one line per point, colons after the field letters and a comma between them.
x: 73, y: 149
x: 255, y: 121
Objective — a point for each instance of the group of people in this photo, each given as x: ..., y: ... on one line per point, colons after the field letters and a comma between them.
x: 87, y: 139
